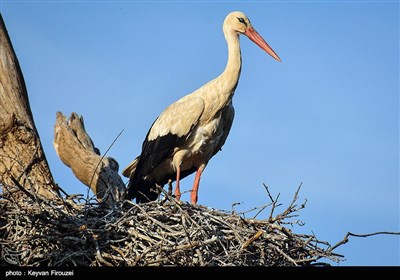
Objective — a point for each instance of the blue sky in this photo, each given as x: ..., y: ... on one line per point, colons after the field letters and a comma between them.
x: 327, y: 116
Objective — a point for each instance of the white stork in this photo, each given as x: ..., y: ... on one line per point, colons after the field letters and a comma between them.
x: 190, y: 131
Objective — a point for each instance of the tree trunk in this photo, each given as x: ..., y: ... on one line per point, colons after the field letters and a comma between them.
x: 22, y: 159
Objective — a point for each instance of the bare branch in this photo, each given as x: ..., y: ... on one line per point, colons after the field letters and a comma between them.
x: 346, y: 237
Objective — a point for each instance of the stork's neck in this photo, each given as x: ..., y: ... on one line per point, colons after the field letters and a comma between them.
x: 231, y: 74
x: 219, y: 92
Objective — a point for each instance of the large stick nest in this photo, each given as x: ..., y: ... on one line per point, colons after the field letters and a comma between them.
x: 77, y: 232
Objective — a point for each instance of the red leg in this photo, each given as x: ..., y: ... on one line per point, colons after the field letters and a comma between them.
x: 195, y: 189
x: 177, y: 189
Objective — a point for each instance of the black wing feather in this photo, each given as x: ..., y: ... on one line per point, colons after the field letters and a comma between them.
x: 153, y: 153
x: 159, y: 148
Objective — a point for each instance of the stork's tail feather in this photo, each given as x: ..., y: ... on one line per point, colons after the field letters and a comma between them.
x: 144, y: 191
x: 130, y: 169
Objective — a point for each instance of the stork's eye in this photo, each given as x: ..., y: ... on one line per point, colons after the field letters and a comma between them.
x: 242, y: 20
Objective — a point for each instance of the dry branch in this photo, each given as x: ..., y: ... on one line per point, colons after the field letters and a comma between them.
x: 346, y: 237
x: 76, y: 150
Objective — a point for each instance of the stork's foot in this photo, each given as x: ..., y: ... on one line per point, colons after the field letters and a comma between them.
x: 178, y: 199
x: 177, y: 194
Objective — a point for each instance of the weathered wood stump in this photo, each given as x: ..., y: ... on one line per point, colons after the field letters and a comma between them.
x: 76, y: 150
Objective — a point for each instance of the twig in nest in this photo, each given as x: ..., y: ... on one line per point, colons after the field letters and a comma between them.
x: 252, y: 239
x: 274, y: 202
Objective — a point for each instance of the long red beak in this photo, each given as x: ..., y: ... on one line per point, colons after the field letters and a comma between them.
x: 253, y: 35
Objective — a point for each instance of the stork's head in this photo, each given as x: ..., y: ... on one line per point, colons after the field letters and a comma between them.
x: 239, y: 22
